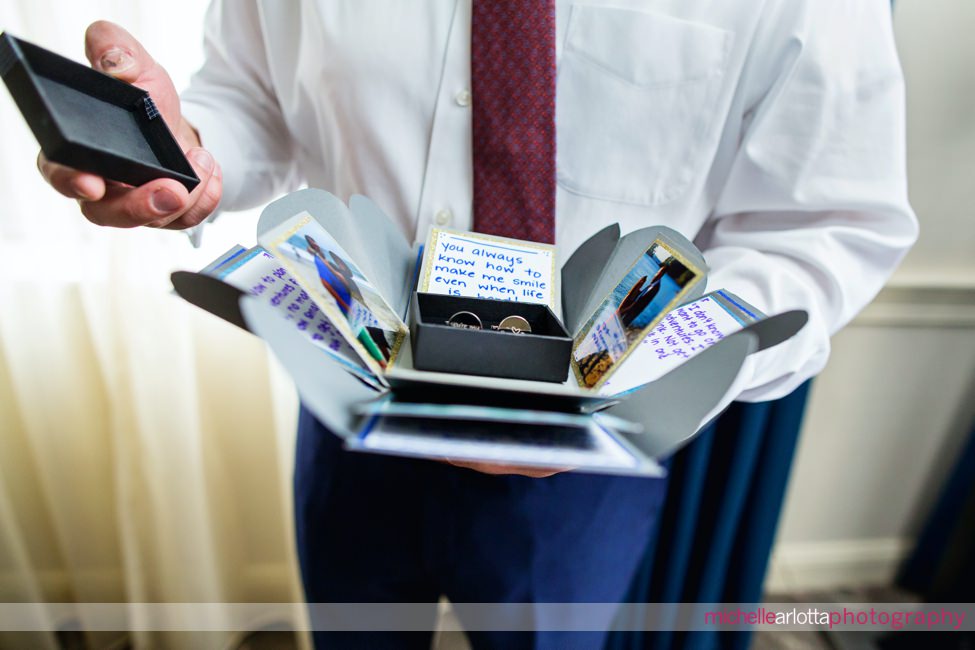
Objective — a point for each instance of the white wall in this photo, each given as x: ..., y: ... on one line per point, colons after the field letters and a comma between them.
x: 888, y: 415
x: 936, y: 39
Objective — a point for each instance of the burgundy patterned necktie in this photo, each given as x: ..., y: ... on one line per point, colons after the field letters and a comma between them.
x: 513, y: 87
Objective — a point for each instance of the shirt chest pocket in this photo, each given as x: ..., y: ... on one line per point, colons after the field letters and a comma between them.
x: 636, y: 101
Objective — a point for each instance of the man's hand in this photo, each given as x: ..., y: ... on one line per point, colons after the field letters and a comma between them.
x: 162, y: 203
x: 490, y: 468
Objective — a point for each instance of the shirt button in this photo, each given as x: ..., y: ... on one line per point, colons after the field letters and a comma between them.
x: 443, y: 217
x: 463, y: 98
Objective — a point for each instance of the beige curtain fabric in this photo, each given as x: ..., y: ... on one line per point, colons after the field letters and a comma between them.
x: 146, y: 446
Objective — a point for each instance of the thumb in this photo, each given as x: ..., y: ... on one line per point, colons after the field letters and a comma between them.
x: 112, y: 50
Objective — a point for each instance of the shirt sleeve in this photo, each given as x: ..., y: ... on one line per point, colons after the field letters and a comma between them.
x: 232, y: 104
x: 814, y: 214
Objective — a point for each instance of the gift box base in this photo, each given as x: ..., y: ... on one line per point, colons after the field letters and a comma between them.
x: 542, y: 355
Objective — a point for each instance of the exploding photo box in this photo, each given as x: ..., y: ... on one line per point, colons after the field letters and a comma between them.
x: 482, y: 348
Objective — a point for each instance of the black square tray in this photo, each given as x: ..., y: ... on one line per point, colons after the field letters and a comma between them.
x: 542, y: 355
x: 90, y: 121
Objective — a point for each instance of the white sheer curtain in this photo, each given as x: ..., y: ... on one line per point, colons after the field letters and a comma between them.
x: 146, y: 447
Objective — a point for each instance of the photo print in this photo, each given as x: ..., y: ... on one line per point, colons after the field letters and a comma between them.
x: 656, y: 283
x: 344, y: 293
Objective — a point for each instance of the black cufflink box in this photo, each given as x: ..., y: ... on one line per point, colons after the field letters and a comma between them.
x: 541, y: 355
x: 88, y: 120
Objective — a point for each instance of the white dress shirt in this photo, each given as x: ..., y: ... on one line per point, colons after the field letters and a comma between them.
x: 770, y: 132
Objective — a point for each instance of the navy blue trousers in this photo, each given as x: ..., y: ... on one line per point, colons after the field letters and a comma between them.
x: 374, y: 528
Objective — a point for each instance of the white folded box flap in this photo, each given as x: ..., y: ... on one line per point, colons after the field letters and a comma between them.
x: 326, y: 389
x: 210, y: 294
x: 671, y: 408
x: 581, y: 272
x: 775, y: 329
x: 393, y: 258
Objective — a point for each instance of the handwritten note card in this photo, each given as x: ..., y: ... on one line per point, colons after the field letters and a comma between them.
x: 683, y: 333
x: 257, y: 272
x: 480, y: 266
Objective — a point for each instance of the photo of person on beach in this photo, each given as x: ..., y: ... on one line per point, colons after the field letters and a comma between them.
x: 323, y: 263
x: 651, y: 288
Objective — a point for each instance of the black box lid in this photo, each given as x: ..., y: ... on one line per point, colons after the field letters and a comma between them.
x: 89, y: 120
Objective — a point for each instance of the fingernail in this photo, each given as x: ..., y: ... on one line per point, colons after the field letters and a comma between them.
x: 202, y: 158
x: 82, y: 194
x: 116, y: 61
x: 165, y: 202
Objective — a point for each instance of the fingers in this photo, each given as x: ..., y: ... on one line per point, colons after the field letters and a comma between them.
x: 207, y: 194
x: 162, y: 203
x: 70, y: 182
x: 114, y: 51
x: 126, y: 207
x: 494, y: 469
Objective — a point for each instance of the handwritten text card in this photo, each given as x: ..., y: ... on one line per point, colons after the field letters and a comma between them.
x: 257, y: 272
x: 683, y: 333
x: 480, y: 266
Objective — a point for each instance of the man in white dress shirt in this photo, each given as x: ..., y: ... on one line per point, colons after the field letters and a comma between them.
x: 770, y: 132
